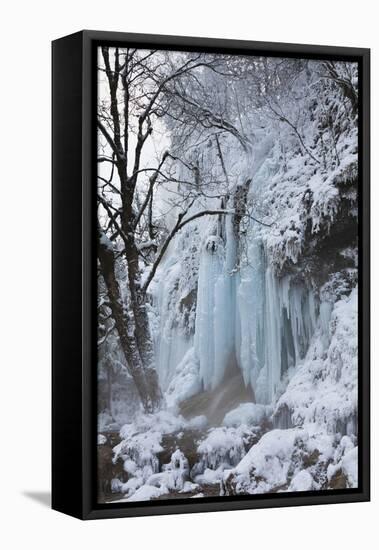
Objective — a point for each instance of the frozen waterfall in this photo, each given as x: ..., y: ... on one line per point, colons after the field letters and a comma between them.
x: 245, y: 315
x: 215, y: 313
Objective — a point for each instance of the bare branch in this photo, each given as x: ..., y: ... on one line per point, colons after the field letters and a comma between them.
x: 283, y: 118
x: 179, y: 225
x: 152, y: 181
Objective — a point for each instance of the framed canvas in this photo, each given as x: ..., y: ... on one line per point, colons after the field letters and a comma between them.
x: 210, y: 275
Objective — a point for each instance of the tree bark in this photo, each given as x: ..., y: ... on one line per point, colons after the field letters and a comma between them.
x: 129, y: 327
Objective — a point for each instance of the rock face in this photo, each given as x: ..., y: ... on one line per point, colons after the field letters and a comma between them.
x: 338, y: 481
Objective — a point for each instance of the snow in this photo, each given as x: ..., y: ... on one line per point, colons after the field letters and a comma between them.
x: 302, y: 481
x: 319, y: 399
x: 283, y: 460
x: 346, y: 461
x: 210, y: 476
x: 174, y: 475
x: 189, y: 487
x: 146, y: 492
x: 270, y: 460
x: 349, y: 466
x: 101, y: 439
x: 221, y: 449
x: 324, y: 387
x: 249, y: 414
x: 104, y: 241
x: 294, y: 188
x: 141, y: 442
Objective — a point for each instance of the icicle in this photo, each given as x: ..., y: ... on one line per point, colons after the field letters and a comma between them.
x: 248, y: 314
x: 250, y: 307
x: 171, y: 344
x: 211, y: 315
x: 272, y: 334
x: 325, y: 315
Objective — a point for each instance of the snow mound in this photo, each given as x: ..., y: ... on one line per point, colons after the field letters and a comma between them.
x: 249, y: 414
x: 146, y: 492
x: 265, y: 468
x: 302, y: 481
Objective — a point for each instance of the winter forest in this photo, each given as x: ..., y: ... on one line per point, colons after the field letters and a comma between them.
x: 227, y: 275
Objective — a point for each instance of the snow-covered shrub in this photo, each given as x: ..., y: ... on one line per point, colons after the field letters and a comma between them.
x: 302, y: 481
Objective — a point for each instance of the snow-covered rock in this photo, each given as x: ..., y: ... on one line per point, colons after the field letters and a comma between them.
x: 101, y: 439
x: 221, y: 449
x: 302, y: 481
x: 266, y: 467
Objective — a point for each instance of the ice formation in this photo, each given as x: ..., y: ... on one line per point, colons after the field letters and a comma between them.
x: 263, y: 322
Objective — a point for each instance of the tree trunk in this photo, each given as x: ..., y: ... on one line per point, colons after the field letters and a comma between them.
x: 141, y: 327
x: 138, y: 298
x: 129, y: 326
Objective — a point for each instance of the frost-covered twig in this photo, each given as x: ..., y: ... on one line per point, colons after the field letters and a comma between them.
x: 283, y: 118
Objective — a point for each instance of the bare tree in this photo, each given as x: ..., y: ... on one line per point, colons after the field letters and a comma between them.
x: 143, y: 88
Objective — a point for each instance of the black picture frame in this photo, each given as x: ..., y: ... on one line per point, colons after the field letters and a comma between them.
x: 74, y: 286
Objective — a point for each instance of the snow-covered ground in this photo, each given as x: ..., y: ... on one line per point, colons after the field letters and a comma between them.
x: 315, y: 449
